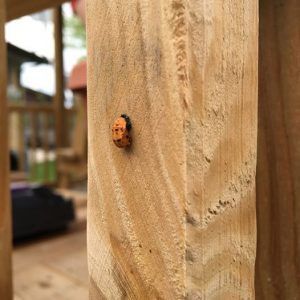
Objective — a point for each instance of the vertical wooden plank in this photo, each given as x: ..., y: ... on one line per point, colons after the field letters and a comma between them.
x: 33, y: 123
x: 221, y: 132
x: 33, y: 143
x: 21, y: 134
x: 5, y: 212
x: 45, y: 119
x: 136, y: 196
x: 278, y: 169
x: 174, y: 215
x: 59, y: 77
x: 45, y: 142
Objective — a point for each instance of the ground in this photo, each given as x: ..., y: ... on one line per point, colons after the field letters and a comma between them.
x: 53, y: 267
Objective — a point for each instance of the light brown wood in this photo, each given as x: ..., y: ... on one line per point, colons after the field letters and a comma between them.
x: 59, y: 78
x: 18, y: 176
x: 5, y: 212
x: 278, y: 165
x: 33, y: 133
x: 173, y: 216
x: 52, y: 268
x: 79, y: 197
x: 55, y: 266
x: 72, y: 161
x: 45, y: 143
x: 80, y: 203
x: 30, y: 107
x: 21, y: 142
x: 20, y: 8
x: 38, y: 114
x: 45, y: 125
x: 221, y: 130
x: 16, y: 134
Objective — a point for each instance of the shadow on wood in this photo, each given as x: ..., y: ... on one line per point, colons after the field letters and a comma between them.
x: 278, y: 166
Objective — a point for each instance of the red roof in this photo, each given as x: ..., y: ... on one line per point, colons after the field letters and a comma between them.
x: 77, y: 80
x: 74, y: 3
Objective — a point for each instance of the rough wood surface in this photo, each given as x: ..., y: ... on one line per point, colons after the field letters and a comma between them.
x: 278, y: 169
x: 5, y: 213
x: 221, y: 150
x: 174, y: 215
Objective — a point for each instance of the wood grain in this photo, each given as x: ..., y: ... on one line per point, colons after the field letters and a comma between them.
x: 278, y: 180
x: 5, y: 213
x: 221, y: 150
x: 174, y: 215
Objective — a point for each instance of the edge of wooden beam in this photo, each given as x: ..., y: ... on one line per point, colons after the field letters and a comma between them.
x: 5, y: 206
x: 19, y: 8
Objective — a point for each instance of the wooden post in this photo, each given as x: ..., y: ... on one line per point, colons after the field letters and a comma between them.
x: 174, y: 215
x: 19, y: 8
x: 5, y: 212
x: 278, y: 168
x: 59, y: 77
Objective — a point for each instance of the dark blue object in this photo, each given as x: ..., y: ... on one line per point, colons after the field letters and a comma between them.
x: 38, y: 210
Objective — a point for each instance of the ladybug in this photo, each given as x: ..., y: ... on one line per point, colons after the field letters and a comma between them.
x: 120, y: 131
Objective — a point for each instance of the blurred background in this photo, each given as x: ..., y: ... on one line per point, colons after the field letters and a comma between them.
x: 46, y: 91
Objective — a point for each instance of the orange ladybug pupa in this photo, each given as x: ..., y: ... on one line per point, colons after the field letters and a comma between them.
x: 120, y: 131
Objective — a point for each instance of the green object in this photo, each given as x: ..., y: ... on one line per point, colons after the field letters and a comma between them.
x: 52, y: 171
x: 40, y: 168
x: 31, y: 164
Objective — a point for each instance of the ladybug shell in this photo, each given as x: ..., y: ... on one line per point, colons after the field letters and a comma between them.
x: 120, y: 133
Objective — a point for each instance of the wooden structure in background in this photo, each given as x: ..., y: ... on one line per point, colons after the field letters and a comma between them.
x: 33, y: 112
x: 5, y: 213
x: 44, y: 114
x: 278, y: 169
x: 58, y: 103
x: 174, y: 215
x: 72, y: 160
x: 19, y: 8
x: 54, y: 267
x: 11, y: 9
x: 17, y: 99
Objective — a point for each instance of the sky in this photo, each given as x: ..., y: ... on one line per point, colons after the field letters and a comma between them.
x: 36, y: 34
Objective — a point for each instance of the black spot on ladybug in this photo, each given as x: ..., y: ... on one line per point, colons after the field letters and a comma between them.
x: 128, y: 121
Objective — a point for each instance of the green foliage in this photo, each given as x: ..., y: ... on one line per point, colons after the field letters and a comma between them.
x: 74, y: 33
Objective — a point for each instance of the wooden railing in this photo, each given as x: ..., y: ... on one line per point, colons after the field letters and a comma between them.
x: 30, y: 126
x: 33, y: 138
